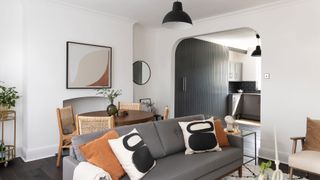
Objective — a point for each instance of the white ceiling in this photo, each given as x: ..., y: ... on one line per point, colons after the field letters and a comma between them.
x: 151, y: 12
x: 243, y: 38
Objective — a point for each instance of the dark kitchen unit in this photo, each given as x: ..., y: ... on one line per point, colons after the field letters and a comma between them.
x: 246, y: 86
x: 245, y: 105
x: 201, y: 78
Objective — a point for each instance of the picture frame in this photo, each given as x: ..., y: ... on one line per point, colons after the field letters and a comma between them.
x: 88, y: 66
x: 145, y: 101
x: 146, y: 104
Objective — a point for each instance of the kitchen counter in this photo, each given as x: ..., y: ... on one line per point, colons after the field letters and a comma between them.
x: 253, y: 94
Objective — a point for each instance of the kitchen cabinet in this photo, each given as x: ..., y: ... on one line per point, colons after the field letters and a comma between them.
x: 251, y: 106
x: 244, y: 105
x: 234, y: 104
x: 235, y: 71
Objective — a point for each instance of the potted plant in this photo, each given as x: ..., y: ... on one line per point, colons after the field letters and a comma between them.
x: 264, y: 166
x: 110, y: 94
x: 8, y: 97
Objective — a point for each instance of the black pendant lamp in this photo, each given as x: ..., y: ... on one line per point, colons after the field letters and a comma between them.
x: 177, y: 18
x: 257, y: 51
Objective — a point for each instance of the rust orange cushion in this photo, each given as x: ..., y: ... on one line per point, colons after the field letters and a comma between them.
x: 99, y: 153
x: 312, y: 141
x: 221, y: 134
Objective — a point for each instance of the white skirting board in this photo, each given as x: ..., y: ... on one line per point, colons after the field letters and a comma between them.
x: 38, y: 153
x: 267, y: 153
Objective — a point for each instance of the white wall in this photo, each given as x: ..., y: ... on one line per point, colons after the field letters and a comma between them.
x: 290, y: 42
x: 11, y: 58
x: 47, y: 25
x: 145, y: 49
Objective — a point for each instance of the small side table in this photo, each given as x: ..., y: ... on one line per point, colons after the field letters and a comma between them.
x: 9, y: 152
x: 245, y: 133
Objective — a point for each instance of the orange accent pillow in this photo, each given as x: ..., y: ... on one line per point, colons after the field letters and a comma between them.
x: 221, y: 134
x: 99, y: 153
x: 312, y: 141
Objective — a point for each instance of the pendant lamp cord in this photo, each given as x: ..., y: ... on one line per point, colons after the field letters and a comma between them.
x: 258, y: 38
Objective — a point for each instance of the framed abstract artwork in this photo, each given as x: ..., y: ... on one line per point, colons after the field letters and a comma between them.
x: 88, y: 66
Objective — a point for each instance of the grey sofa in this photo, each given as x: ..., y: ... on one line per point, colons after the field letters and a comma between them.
x: 166, y: 144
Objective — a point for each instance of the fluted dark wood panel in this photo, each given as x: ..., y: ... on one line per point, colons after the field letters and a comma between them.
x: 201, y: 84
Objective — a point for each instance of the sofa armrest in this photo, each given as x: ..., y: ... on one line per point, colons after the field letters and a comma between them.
x: 69, y: 164
x: 71, y: 152
x: 235, y: 141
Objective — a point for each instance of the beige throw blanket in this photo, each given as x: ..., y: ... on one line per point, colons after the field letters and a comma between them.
x: 88, y: 171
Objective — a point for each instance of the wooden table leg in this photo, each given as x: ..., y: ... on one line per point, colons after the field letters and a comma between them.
x: 240, y: 171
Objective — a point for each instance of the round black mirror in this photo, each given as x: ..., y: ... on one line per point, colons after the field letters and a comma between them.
x: 141, y: 72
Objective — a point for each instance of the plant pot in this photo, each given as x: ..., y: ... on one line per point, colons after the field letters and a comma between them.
x: 3, y: 115
x: 112, y: 109
x: 4, y: 108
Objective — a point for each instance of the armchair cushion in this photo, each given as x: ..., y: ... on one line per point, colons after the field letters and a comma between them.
x: 312, y: 141
x: 306, y: 160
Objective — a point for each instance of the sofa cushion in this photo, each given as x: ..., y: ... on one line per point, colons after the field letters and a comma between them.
x: 99, y: 153
x: 312, y: 141
x: 221, y: 134
x: 171, y: 135
x: 149, y: 135
x: 83, y: 139
x: 189, y: 167
x: 133, y: 154
x: 199, y: 136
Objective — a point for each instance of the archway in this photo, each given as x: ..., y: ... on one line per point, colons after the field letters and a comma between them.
x: 216, y: 75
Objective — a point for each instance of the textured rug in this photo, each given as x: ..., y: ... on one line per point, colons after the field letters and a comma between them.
x: 252, y: 172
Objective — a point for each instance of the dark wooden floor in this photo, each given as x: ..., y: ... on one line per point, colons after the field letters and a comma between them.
x: 45, y: 169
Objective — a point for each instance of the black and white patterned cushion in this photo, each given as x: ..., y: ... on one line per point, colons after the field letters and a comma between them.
x: 133, y: 154
x: 199, y: 136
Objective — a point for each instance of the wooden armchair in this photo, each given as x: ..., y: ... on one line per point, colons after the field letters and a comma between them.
x: 166, y: 113
x: 306, y: 160
x: 67, y: 129
x: 129, y: 106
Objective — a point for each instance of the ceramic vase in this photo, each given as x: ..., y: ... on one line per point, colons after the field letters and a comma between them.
x: 112, y: 109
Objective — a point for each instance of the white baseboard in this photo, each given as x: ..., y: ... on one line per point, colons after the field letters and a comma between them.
x: 38, y: 153
x: 19, y: 152
x: 267, y: 153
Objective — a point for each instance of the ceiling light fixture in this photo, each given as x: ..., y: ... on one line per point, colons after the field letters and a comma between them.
x: 177, y: 18
x: 257, y: 51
